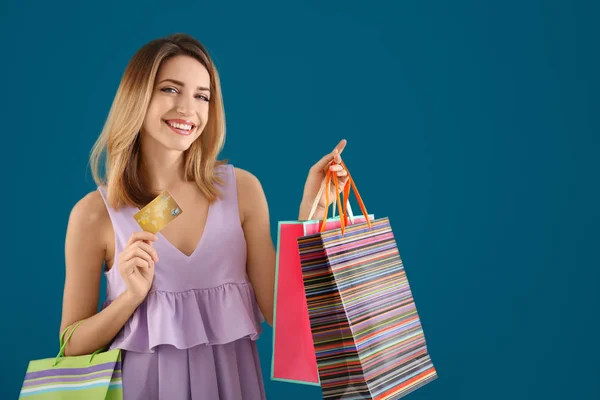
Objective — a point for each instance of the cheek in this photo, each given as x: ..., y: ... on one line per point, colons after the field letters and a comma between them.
x: 203, y: 112
x: 149, y: 126
x: 153, y: 116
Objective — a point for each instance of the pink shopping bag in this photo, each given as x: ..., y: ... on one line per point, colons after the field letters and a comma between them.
x: 294, y: 358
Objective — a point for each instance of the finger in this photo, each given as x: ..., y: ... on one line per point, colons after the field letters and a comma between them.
x: 139, y: 253
x: 142, y: 236
x: 341, y: 146
x: 141, y: 263
x: 342, y: 173
x: 336, y: 168
x: 132, y: 265
x: 148, y: 249
x: 321, y: 165
x: 336, y: 157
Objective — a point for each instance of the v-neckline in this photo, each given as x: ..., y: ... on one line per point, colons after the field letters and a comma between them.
x: 196, y: 249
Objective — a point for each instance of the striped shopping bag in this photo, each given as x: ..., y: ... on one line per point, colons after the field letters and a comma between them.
x: 367, y: 334
x: 91, y: 377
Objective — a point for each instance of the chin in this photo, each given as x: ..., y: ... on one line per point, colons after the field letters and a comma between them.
x: 179, y: 145
x: 174, y: 141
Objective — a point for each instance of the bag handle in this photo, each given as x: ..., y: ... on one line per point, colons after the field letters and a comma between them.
x: 63, y: 344
x: 359, y: 199
x: 62, y: 336
x: 316, y: 204
x: 349, y: 184
x: 342, y: 210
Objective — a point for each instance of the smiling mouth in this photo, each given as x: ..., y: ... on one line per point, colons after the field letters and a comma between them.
x: 180, y: 129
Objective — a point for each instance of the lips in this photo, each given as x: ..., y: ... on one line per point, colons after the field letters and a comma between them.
x: 179, y: 131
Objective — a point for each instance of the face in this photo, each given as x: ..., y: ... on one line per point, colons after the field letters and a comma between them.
x: 178, y: 109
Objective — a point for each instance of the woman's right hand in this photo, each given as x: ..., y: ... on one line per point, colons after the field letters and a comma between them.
x: 136, y: 264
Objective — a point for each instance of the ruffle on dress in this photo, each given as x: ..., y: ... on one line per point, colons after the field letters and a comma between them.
x: 186, y: 319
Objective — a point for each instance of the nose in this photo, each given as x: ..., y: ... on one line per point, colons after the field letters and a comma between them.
x: 181, y: 110
x: 184, y: 105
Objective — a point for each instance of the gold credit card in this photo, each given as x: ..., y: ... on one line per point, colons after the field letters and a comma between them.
x: 158, y: 213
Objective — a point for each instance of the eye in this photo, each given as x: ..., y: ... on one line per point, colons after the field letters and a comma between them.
x: 203, y: 97
x: 167, y: 89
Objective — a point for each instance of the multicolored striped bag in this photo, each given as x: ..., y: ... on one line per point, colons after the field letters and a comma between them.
x: 367, y: 334
x: 91, y: 377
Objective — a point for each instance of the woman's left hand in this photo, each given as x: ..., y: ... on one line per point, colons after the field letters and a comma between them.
x: 315, y: 179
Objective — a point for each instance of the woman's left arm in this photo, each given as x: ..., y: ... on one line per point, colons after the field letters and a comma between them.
x: 254, y: 213
x: 260, y: 264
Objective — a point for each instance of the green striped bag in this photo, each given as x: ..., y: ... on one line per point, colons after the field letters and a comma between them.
x: 91, y: 377
x: 367, y: 334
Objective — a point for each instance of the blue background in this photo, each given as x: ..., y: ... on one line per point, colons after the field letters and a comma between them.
x: 473, y: 125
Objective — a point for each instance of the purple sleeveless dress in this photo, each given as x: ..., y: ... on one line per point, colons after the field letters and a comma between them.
x: 194, y: 336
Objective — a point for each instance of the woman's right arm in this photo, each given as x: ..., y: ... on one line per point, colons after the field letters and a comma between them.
x: 85, y: 251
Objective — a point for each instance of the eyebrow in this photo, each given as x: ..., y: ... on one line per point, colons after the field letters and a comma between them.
x: 182, y: 84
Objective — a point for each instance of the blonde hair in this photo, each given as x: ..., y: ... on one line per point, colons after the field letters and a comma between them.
x: 120, y: 136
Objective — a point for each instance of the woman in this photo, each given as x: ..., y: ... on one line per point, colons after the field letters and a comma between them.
x: 184, y: 305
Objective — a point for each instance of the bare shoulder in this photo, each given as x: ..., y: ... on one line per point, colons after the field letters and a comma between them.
x: 246, y: 180
x: 89, y: 211
x: 89, y: 219
x: 250, y: 192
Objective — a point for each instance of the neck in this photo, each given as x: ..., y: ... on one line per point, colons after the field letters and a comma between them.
x: 163, y: 168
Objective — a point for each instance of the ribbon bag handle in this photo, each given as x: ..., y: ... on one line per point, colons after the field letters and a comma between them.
x: 344, y: 212
x: 316, y: 204
x: 359, y: 199
x: 352, y: 184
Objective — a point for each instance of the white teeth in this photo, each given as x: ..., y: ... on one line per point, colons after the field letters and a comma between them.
x: 183, y: 127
